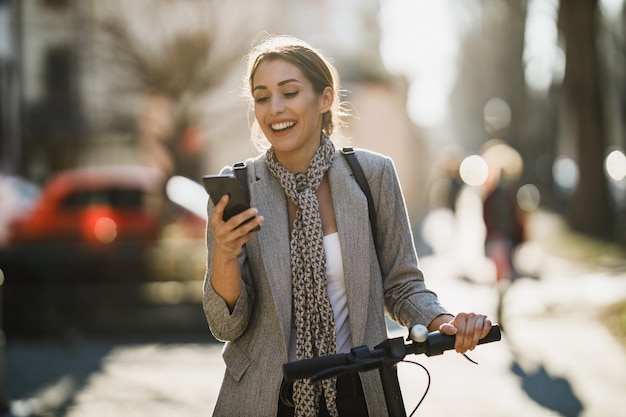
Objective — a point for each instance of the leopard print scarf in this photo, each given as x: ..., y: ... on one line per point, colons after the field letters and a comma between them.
x: 313, y: 315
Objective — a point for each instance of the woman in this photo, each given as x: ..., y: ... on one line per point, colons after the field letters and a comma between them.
x: 310, y: 282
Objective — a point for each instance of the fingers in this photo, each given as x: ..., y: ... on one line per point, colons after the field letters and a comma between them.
x: 247, y: 221
x: 231, y: 235
x: 486, y: 328
x: 471, y: 328
x: 448, y: 328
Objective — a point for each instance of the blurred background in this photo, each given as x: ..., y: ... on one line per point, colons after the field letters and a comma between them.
x: 506, y: 121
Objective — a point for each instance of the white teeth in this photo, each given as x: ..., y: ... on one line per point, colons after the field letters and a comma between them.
x: 283, y: 125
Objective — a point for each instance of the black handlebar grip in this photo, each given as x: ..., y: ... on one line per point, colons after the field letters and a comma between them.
x: 309, y: 367
x: 438, y: 342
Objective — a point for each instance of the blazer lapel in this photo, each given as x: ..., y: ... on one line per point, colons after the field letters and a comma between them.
x: 273, y: 238
x: 353, y: 224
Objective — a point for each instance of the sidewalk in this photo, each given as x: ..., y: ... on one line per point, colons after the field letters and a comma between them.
x: 556, y: 357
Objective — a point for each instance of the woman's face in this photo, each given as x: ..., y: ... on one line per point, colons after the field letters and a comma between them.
x: 287, y: 109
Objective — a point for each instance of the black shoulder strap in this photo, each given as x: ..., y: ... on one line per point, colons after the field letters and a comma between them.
x: 350, y: 156
x: 240, y: 169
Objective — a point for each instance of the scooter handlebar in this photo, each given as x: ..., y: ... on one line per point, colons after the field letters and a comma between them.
x: 362, y: 358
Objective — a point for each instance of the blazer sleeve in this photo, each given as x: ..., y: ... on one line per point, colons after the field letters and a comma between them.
x: 224, y: 324
x: 407, y: 299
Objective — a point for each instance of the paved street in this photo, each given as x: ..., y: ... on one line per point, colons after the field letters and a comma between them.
x: 555, y: 358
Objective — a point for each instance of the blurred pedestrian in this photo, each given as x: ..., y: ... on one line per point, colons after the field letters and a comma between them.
x: 312, y: 281
x: 504, y: 221
x: 504, y: 228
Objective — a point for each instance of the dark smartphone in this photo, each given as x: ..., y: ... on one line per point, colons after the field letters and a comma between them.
x: 218, y: 185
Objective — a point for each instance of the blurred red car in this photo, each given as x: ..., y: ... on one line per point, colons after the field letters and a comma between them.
x: 96, y: 205
x: 88, y: 225
x: 101, y: 250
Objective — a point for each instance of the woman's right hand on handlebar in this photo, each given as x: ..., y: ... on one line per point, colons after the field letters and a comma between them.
x: 230, y: 236
x: 468, y: 328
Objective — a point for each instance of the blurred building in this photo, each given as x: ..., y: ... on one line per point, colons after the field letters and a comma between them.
x: 92, y: 71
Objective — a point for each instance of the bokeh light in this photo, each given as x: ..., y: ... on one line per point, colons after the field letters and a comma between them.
x: 528, y: 197
x: 615, y: 165
x: 565, y: 173
x: 502, y: 158
x: 474, y: 170
x: 497, y: 114
x: 105, y: 230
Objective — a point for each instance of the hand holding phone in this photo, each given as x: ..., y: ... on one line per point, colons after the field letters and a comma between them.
x: 218, y: 185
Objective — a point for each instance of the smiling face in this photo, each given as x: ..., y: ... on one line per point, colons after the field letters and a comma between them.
x: 289, y: 111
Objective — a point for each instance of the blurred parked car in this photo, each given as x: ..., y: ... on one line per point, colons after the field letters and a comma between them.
x: 104, y: 248
x: 97, y: 205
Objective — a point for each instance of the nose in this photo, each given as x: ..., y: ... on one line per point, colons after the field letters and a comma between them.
x: 277, y: 105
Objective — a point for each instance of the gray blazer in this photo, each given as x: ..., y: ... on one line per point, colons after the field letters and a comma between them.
x: 257, y: 332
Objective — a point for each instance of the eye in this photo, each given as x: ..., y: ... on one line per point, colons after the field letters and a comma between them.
x: 291, y: 94
x: 261, y: 99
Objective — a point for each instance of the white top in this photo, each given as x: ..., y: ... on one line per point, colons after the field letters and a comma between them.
x: 337, y: 291
x: 336, y: 287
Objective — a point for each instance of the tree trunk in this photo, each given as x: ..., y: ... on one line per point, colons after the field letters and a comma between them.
x: 590, y: 209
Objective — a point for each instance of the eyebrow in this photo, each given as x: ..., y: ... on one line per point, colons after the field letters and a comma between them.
x: 280, y: 84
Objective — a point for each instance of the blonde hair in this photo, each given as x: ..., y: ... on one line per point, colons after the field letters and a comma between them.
x: 317, y: 68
